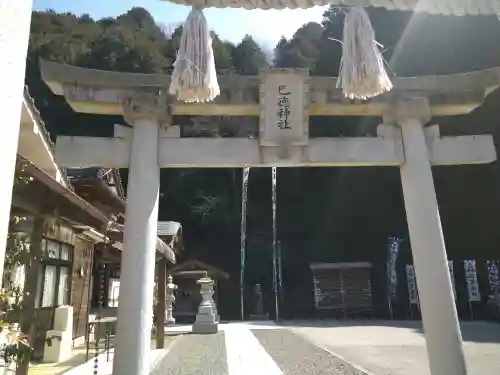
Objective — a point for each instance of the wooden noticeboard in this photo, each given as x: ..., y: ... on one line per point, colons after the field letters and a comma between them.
x: 342, y: 289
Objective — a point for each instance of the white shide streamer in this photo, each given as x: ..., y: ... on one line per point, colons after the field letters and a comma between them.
x: 471, y: 280
x: 362, y: 73
x: 194, y: 78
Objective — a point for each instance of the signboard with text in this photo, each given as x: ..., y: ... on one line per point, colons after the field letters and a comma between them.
x: 493, y: 276
x: 411, y: 282
x: 284, y: 99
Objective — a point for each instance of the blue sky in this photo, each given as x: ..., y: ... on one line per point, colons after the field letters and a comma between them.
x: 231, y: 24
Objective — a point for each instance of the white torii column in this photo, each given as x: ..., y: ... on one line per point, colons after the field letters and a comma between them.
x: 15, y: 20
x: 439, y: 315
x: 146, y: 112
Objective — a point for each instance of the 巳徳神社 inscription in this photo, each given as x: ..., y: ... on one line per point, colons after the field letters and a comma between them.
x: 283, y: 111
x: 283, y: 107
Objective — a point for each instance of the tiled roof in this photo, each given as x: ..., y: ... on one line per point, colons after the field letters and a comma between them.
x: 97, y: 173
x: 119, y: 183
x: 78, y: 173
x: 161, y: 246
x: 30, y: 102
x: 168, y: 228
x: 444, y: 7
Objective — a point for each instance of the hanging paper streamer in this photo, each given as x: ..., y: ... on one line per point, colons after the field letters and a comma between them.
x: 452, y: 277
x: 493, y: 276
x: 244, y: 198
x: 392, y: 257
x: 411, y: 282
x: 471, y: 280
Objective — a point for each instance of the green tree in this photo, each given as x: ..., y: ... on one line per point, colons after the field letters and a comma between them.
x: 302, y: 50
x: 248, y: 57
x: 223, y: 53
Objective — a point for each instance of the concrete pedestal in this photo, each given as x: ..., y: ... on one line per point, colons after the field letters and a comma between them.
x: 58, y: 345
x: 439, y: 315
x: 135, y: 307
x: 169, y: 320
x: 15, y: 19
x: 216, y: 313
x: 207, y: 319
x: 59, y: 341
x: 63, y: 318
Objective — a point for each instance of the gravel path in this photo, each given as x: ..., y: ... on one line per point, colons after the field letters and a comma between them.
x: 398, y: 347
x: 297, y: 356
x: 195, y: 355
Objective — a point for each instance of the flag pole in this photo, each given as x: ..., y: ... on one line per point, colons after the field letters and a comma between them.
x: 244, y: 198
x: 275, y: 233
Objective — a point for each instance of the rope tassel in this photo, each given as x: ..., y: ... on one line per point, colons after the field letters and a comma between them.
x: 362, y: 73
x: 194, y: 78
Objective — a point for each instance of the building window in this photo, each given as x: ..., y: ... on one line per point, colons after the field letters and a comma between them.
x: 55, y: 272
x: 113, y: 292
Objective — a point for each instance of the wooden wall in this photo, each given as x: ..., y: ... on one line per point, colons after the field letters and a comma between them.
x: 79, y: 285
x: 82, y: 264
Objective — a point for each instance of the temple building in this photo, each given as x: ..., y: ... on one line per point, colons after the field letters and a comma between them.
x: 72, y: 219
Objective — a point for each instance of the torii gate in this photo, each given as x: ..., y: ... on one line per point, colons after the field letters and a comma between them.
x: 284, y: 99
x: 402, y: 141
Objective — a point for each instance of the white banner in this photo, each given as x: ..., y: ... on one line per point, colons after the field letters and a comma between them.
x: 471, y: 280
x: 411, y: 281
x: 493, y: 276
x: 318, y: 295
x: 393, y: 249
x: 452, y: 276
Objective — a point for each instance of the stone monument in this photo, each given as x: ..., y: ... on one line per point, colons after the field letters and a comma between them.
x: 206, y: 319
x: 258, y: 305
x: 171, y: 287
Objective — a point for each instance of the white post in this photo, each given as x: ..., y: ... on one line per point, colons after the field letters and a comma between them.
x: 135, y: 307
x: 439, y: 315
x: 15, y: 19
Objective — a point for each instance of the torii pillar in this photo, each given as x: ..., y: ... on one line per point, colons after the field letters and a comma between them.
x: 146, y: 112
x: 15, y: 20
x: 439, y: 315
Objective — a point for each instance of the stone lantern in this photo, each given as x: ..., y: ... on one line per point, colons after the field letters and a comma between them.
x: 169, y: 301
x: 206, y: 319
